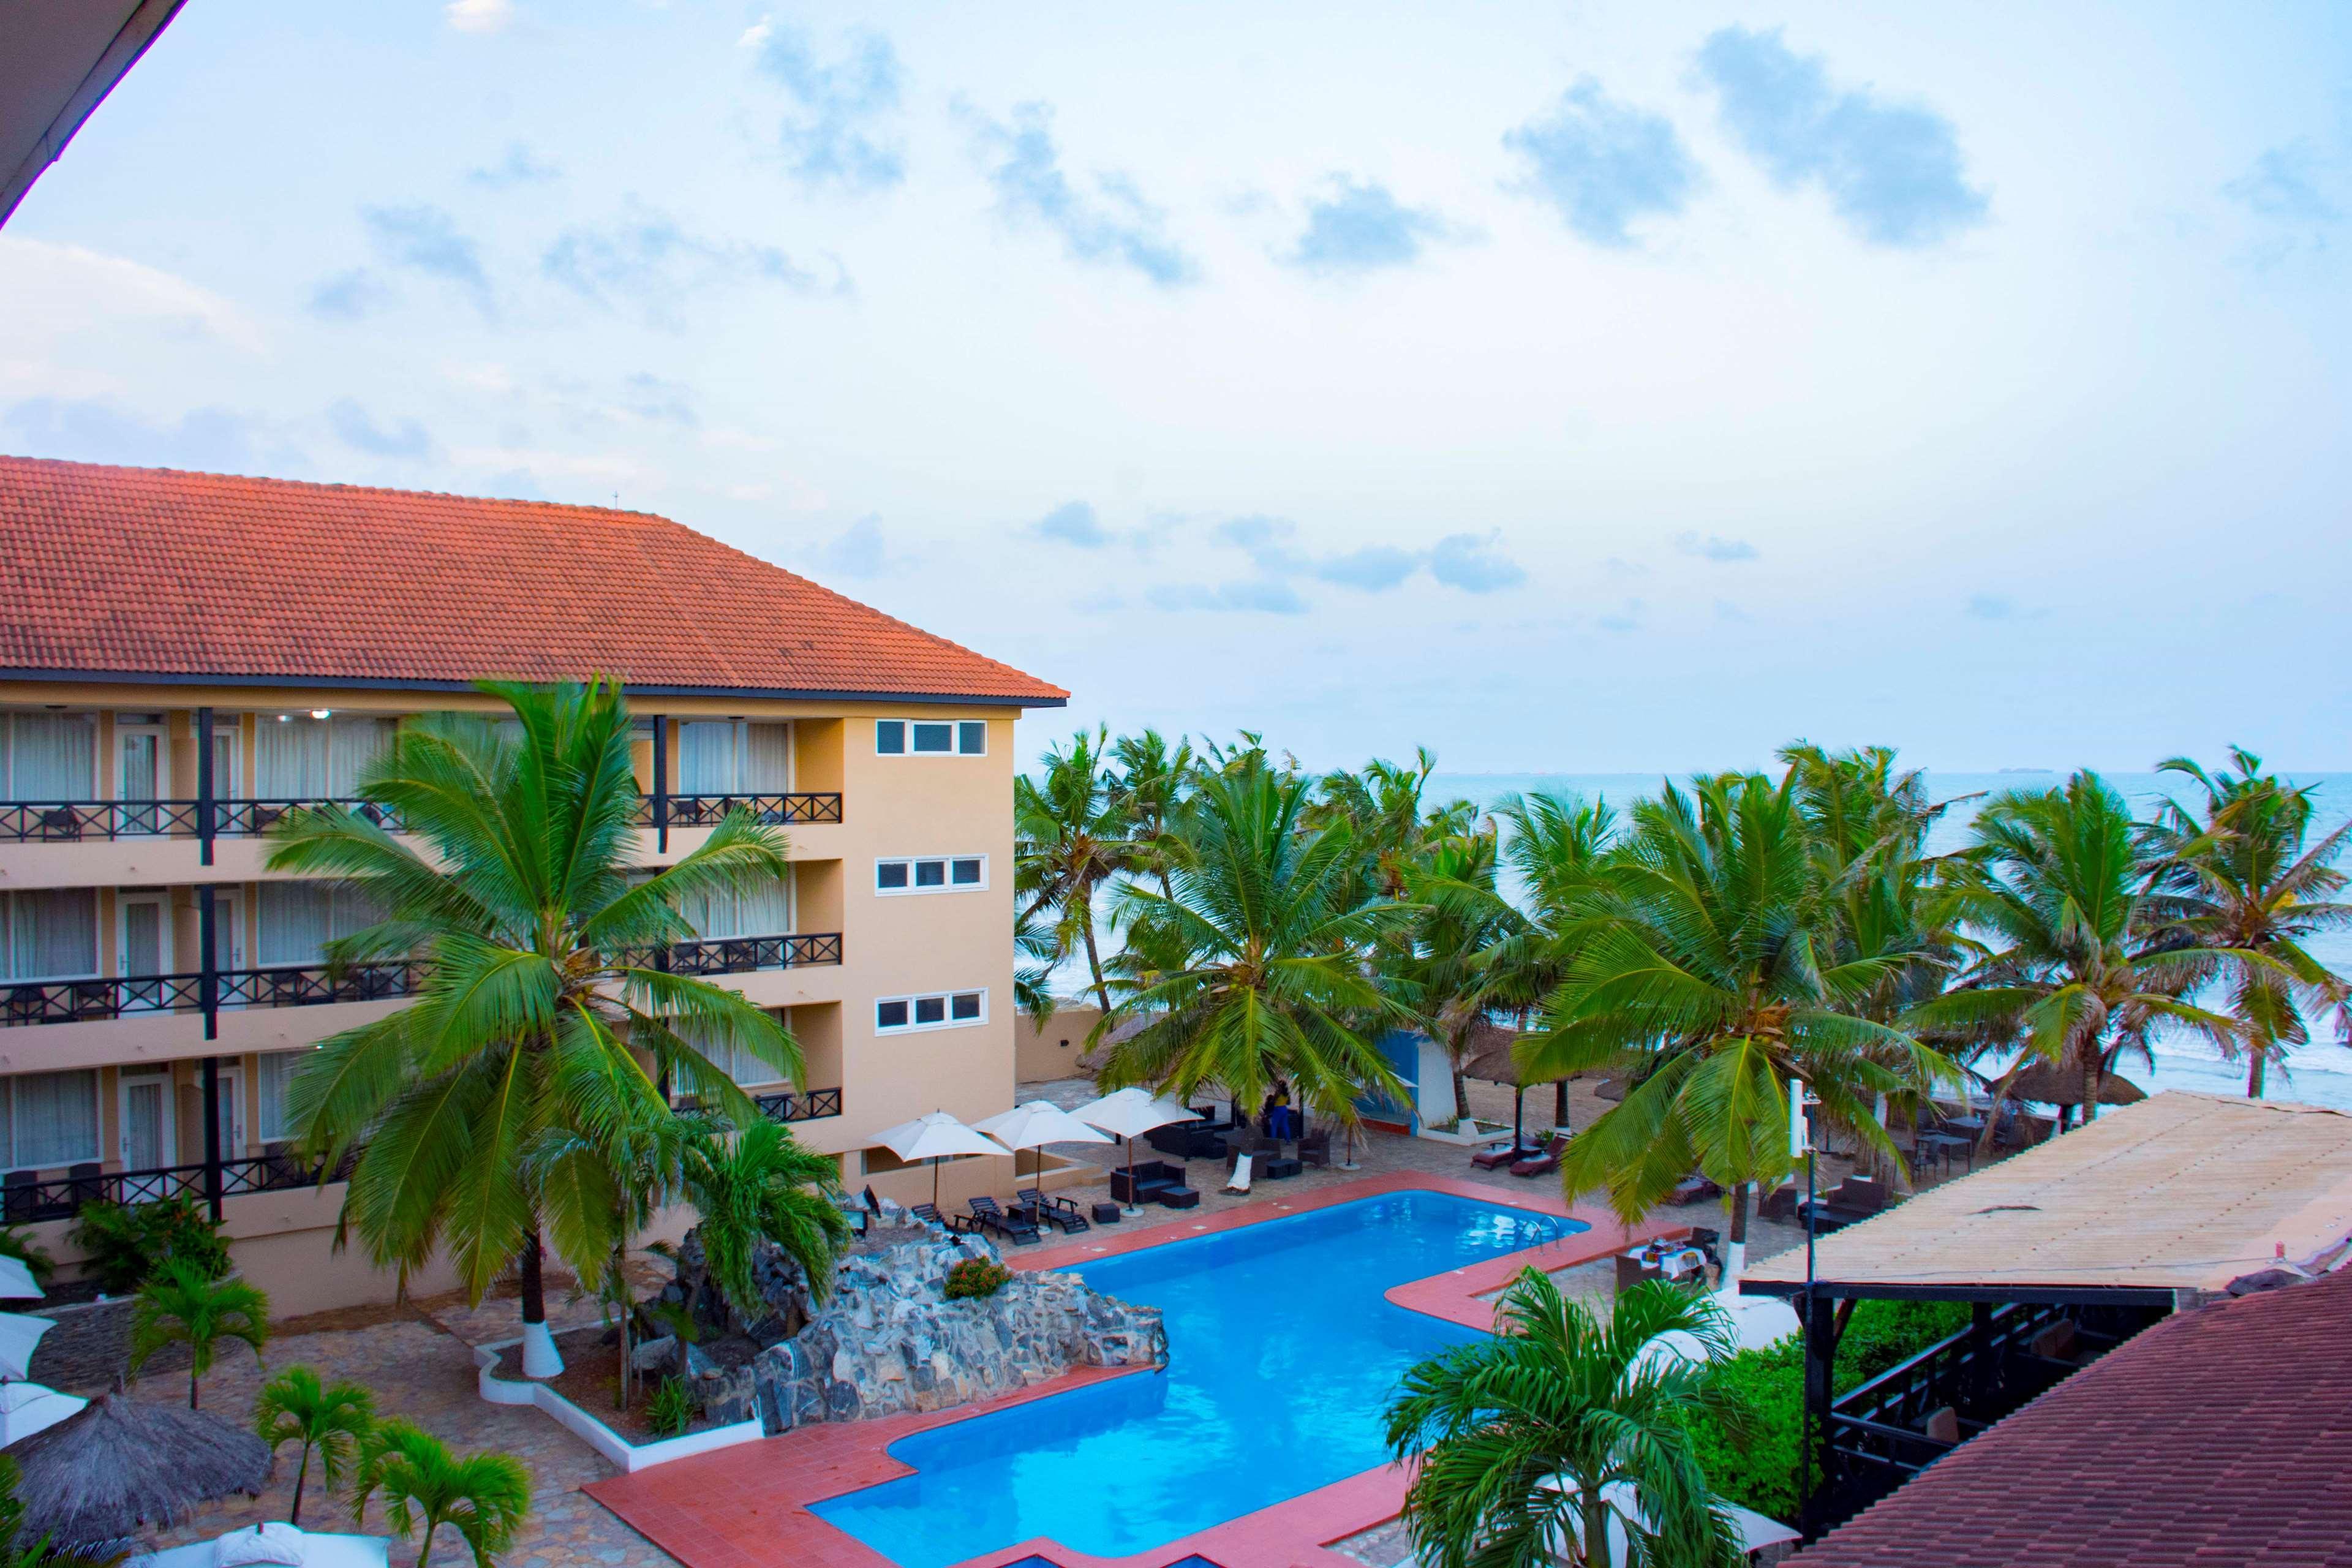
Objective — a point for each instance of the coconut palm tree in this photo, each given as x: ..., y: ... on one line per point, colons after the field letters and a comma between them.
x: 484, y: 1497
x: 330, y: 1420
x: 761, y: 1186
x: 1704, y: 968
x: 1440, y: 968
x: 1389, y: 818
x: 1538, y: 1443
x: 2054, y: 892
x: 1153, y: 782
x: 1255, y: 969
x: 187, y: 1306
x: 2243, y: 878
x: 1071, y: 836
x: 545, y: 1011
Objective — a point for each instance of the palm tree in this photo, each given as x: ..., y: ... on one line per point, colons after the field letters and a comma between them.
x: 1256, y: 967
x: 1070, y: 837
x: 1440, y: 966
x: 1537, y: 1443
x: 1382, y: 809
x: 2241, y: 881
x: 188, y: 1307
x: 329, y: 1419
x: 1154, y: 781
x: 484, y: 1497
x: 1703, y: 967
x: 545, y: 1010
x: 2053, y: 893
x: 763, y: 1186
x: 1560, y: 847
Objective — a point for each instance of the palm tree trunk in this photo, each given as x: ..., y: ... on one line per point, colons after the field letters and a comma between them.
x: 1734, y: 1246
x: 301, y: 1474
x: 1559, y: 1106
x: 2254, y: 1070
x: 1593, y: 1550
x: 191, y: 1387
x: 2091, y: 1083
x: 1094, y: 964
x: 534, y: 1284
x: 621, y: 1287
x: 425, y: 1550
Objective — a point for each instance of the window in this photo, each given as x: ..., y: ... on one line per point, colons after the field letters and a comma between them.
x: 48, y: 756
x: 49, y: 1119
x: 731, y: 756
x: 298, y: 757
x: 300, y: 918
x: 763, y: 910
x: 49, y: 935
x: 930, y: 738
x: 931, y: 874
x: 746, y: 1069
x: 943, y: 1010
x: 276, y: 1075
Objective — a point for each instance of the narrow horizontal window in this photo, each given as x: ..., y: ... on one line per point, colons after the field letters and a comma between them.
x: 890, y: 737
x: 934, y: 738
x: 890, y: 876
x: 944, y: 1010
x: 967, y: 872
x: 931, y: 874
x: 972, y: 738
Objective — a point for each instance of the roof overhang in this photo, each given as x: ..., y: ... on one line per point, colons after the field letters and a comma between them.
x: 633, y: 688
x: 63, y: 57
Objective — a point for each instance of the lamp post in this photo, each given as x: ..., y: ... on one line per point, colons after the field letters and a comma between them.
x: 1812, y: 1471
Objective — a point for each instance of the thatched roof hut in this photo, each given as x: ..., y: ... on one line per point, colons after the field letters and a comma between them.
x: 121, y: 1464
x: 2047, y: 1083
x: 1488, y: 1060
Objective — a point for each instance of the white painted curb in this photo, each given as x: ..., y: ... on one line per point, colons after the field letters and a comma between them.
x: 630, y: 1457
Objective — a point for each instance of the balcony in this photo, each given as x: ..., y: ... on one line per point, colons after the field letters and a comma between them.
x: 313, y: 985
x: 710, y: 810
x: 80, y: 821
x: 24, y: 1199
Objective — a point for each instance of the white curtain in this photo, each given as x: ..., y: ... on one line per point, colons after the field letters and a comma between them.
x: 299, y: 919
x: 49, y: 756
x: 302, y: 758
x: 747, y: 1070
x: 53, y: 1118
x: 766, y: 911
x: 351, y: 746
x: 767, y: 759
x: 706, y: 757
x: 276, y: 1077
x: 51, y: 934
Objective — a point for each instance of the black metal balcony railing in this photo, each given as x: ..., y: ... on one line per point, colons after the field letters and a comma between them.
x: 742, y: 955
x: 314, y: 984
x: 72, y: 821
x: 251, y: 818
x: 282, y: 985
x: 23, y: 1200
x: 804, y: 1106
x: 708, y: 810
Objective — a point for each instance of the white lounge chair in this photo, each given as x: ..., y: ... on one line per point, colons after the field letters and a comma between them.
x: 1241, y: 1178
x: 319, y: 1551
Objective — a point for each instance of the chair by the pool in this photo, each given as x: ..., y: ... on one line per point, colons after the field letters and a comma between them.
x: 1315, y: 1148
x: 1241, y: 1177
x: 1015, y: 1227
x: 1061, y: 1212
x: 1496, y: 1159
x: 930, y: 1215
x: 1545, y: 1163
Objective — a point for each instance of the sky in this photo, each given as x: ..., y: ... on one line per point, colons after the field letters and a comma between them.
x: 1568, y: 388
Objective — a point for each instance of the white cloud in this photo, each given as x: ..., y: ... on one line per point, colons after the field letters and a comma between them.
x: 756, y: 34
x: 479, y: 16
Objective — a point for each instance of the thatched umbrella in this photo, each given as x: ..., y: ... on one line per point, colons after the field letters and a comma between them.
x: 1492, y: 1058
x: 121, y: 1464
x: 2047, y: 1083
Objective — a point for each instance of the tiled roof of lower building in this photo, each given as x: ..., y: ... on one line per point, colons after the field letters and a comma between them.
x: 156, y: 573
x: 2221, y: 1436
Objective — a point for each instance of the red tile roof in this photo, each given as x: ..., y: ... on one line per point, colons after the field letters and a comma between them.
x: 2221, y: 1436
x: 148, y: 572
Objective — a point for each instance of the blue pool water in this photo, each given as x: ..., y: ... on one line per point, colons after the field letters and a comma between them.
x: 1282, y: 1357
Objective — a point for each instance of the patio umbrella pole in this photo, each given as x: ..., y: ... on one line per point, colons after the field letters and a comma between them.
x: 1132, y: 1207
x: 1519, y: 1117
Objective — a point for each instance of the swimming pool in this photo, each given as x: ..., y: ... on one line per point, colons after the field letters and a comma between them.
x: 1282, y: 1357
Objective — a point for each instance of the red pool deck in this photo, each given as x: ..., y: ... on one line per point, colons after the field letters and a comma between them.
x: 746, y: 1507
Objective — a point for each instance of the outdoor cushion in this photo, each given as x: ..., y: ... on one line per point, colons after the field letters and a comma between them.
x: 272, y: 1542
x: 1179, y: 1198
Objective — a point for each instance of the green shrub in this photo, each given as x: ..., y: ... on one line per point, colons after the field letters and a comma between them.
x: 672, y: 1408
x: 1770, y: 1384
x: 976, y: 1278
x: 129, y: 1245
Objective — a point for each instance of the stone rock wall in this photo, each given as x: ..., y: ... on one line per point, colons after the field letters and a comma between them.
x: 888, y: 1341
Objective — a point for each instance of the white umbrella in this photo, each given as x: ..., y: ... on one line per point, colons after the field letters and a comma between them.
x: 28, y: 1408
x: 1128, y: 1112
x: 1757, y: 1531
x: 1034, y: 1123
x: 18, y: 1335
x: 17, y: 1282
x: 936, y: 1136
x: 1757, y: 1322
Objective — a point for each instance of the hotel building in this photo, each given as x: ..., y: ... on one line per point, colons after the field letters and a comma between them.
x: 186, y: 657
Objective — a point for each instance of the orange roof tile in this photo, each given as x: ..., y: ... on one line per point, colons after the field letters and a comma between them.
x: 153, y: 573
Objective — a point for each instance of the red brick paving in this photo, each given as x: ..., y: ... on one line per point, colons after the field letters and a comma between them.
x: 748, y: 1507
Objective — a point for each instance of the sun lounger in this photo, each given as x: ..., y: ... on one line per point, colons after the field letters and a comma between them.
x: 1016, y: 1228
x: 1497, y: 1158
x: 1054, y: 1211
x: 1545, y: 1163
x: 1241, y: 1178
x: 930, y: 1215
x: 1691, y: 1189
x: 319, y: 1548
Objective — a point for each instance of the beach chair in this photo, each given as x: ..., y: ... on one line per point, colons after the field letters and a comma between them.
x: 1061, y: 1212
x: 930, y: 1215
x: 1315, y: 1148
x: 1545, y: 1163
x: 1241, y: 1177
x: 1014, y: 1227
x: 1497, y: 1158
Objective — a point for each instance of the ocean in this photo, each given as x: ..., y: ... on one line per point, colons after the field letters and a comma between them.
x: 2318, y: 1074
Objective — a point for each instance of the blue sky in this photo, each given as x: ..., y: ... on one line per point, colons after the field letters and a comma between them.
x: 1581, y: 388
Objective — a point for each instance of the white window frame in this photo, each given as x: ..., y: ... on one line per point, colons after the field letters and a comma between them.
x: 949, y: 885
x: 948, y: 1022
x: 956, y: 728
